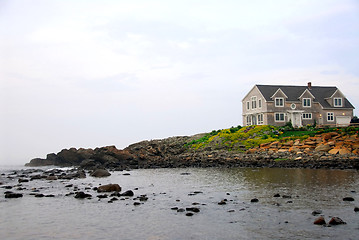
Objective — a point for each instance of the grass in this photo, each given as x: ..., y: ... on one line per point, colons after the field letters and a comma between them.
x: 235, y: 138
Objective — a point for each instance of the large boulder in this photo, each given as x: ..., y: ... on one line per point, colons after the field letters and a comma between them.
x: 109, y: 188
x: 100, y: 173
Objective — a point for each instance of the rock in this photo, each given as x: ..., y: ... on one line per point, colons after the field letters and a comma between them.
x: 109, y: 188
x: 336, y: 221
x: 344, y: 151
x: 21, y: 180
x: 39, y: 195
x: 128, y: 193
x: 100, y: 173
x: 136, y: 203
x: 192, y: 209
x: 82, y: 195
x: 320, y: 221
x: 189, y: 214
x: 356, y: 209
x: 51, y: 178
x: 276, y: 195
x: 102, y: 196
x: 322, y: 148
x: 254, y: 200
x: 348, y: 199
x: 317, y: 212
x: 334, y: 151
x: 223, y: 202
x: 13, y: 195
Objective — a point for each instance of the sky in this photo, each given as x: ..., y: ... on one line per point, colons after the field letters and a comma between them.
x: 88, y: 73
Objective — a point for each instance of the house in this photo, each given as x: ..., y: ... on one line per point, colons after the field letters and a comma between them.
x: 301, y: 105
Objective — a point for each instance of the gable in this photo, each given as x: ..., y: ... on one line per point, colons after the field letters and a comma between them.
x: 279, y: 93
x: 253, y: 92
x: 306, y: 94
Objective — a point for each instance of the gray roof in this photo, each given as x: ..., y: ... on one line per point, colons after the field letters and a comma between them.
x: 294, y: 92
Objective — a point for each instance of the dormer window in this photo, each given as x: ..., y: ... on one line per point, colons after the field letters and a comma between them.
x: 279, y: 102
x: 307, y: 102
x: 338, y: 102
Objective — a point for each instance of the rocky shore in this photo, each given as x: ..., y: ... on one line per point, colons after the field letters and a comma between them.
x: 328, y: 150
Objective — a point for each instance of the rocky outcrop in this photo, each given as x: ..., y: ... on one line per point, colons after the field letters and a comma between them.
x: 328, y: 150
x: 107, y: 157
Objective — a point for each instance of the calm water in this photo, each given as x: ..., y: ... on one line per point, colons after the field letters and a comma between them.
x: 65, y: 217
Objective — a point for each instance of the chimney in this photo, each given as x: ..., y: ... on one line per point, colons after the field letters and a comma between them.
x: 309, y: 85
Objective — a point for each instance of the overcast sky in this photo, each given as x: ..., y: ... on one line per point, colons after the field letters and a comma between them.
x: 95, y: 73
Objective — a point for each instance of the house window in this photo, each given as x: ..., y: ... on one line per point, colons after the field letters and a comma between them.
x: 254, y: 102
x: 279, y: 117
x: 247, y: 105
x: 260, y: 103
x: 307, y: 102
x: 249, y: 120
x: 338, y: 102
x: 279, y: 102
x: 260, y: 119
x: 330, y: 117
x: 307, y: 116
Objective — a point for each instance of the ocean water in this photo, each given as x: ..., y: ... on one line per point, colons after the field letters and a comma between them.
x: 286, y: 217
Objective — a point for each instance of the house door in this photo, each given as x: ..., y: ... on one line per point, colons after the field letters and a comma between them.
x: 296, y: 118
x: 254, y: 120
x: 320, y: 121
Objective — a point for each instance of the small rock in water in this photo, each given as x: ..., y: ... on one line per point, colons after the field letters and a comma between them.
x: 254, y: 200
x: 82, y: 195
x: 102, y: 196
x: 356, y: 209
x: 223, y: 202
x: 336, y: 221
x: 192, y: 209
x: 13, y: 195
x: 320, y: 221
x: 348, y: 199
x: 189, y: 214
x: 276, y: 195
x: 128, y: 193
x: 136, y: 203
x: 174, y: 208
x: 317, y: 212
x: 39, y: 195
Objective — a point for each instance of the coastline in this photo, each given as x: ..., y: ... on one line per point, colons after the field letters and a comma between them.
x: 252, y: 146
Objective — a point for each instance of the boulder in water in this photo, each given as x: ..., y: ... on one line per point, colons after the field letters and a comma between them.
x: 109, y: 188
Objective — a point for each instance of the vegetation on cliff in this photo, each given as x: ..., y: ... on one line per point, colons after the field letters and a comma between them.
x: 243, y: 138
